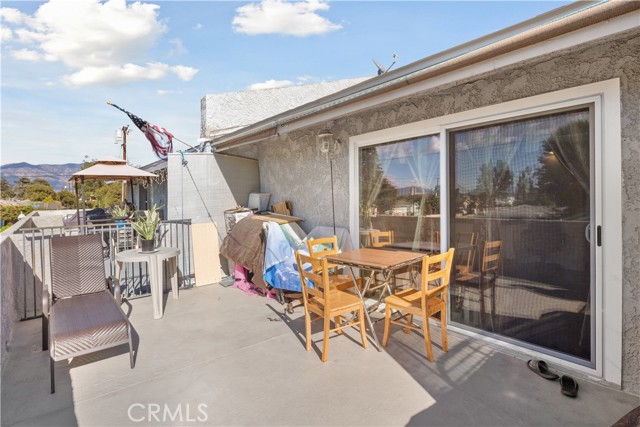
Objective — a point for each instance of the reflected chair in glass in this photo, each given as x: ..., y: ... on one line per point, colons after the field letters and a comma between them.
x: 327, y: 302
x: 466, y: 247
x: 380, y: 239
x: 423, y: 302
x: 321, y: 247
x: 486, y: 278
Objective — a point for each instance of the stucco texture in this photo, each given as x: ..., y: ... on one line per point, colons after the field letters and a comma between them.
x: 291, y: 167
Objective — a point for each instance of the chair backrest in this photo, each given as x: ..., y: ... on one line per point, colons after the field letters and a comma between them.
x: 77, y: 265
x: 380, y: 239
x: 491, y: 256
x: 323, y: 246
x: 315, y: 282
x: 433, y: 270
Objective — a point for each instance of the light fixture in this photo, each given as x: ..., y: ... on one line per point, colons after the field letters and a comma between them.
x: 330, y: 147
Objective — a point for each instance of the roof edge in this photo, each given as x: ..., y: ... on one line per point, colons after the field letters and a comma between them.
x: 548, y: 25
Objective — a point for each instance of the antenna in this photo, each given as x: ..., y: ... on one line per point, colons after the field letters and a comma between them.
x: 381, y: 69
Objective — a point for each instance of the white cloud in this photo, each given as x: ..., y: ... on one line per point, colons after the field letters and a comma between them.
x: 163, y: 92
x: 11, y: 15
x: 6, y: 34
x: 100, y: 41
x: 178, y: 47
x: 198, y: 26
x: 116, y: 75
x: 283, y: 17
x: 184, y: 73
x: 26, y: 55
x: 270, y: 84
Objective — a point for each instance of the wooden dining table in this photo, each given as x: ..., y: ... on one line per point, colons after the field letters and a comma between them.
x: 383, y: 261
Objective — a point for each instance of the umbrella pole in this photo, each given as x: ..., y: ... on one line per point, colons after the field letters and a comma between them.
x: 84, y: 205
x: 77, y: 201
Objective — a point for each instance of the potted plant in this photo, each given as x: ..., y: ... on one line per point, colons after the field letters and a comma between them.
x: 120, y: 214
x: 146, y: 226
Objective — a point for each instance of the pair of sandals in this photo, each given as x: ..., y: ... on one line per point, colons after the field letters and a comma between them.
x: 568, y: 386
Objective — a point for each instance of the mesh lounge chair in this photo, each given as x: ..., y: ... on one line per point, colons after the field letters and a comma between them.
x: 81, y: 316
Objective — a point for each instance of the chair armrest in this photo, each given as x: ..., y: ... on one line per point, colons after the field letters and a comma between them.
x: 114, y: 288
x: 435, y: 291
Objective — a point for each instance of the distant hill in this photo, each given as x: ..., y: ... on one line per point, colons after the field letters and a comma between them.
x: 56, y: 175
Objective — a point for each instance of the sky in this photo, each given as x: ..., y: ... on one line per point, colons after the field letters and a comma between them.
x: 63, y: 60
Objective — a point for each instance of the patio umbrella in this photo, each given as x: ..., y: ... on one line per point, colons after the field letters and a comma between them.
x: 107, y: 169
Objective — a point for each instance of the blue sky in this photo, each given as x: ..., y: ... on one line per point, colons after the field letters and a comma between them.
x: 62, y: 60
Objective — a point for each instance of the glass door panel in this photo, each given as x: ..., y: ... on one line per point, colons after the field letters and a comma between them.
x: 521, y: 210
x: 400, y: 193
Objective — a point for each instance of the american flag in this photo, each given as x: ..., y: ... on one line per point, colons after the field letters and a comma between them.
x: 161, y: 140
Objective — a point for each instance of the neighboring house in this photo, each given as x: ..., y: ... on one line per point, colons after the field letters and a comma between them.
x: 544, y: 114
x: 222, y: 113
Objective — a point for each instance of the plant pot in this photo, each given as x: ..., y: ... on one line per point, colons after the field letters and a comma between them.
x: 147, y: 245
x: 120, y: 222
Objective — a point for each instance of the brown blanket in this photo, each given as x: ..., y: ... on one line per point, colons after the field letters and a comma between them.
x: 245, y: 245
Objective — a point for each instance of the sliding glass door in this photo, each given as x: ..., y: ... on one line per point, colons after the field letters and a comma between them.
x: 521, y: 214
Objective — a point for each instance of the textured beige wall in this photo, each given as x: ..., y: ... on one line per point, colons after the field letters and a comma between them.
x: 292, y: 168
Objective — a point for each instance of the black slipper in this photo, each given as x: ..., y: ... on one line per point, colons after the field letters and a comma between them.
x: 568, y: 386
x: 540, y: 367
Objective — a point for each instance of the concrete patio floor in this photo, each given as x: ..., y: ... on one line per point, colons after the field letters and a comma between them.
x: 221, y: 357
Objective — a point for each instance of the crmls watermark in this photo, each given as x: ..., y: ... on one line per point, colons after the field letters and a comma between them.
x: 154, y: 412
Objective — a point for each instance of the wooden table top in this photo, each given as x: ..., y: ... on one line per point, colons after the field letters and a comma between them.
x: 375, y: 258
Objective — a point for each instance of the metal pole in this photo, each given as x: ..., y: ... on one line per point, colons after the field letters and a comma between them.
x: 84, y: 204
x: 77, y: 202
x: 124, y: 157
x: 333, y: 206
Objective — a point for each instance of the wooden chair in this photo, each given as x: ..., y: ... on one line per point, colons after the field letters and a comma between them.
x: 486, y: 278
x: 327, y: 302
x: 80, y: 316
x: 380, y: 239
x: 423, y: 302
x: 321, y: 247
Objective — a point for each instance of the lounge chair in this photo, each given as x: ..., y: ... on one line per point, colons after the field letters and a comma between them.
x: 80, y: 316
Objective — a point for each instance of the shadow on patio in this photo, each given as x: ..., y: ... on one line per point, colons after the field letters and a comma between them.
x: 220, y: 357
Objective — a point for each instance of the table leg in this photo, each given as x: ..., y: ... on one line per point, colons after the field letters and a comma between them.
x: 366, y: 312
x: 173, y: 271
x: 155, y: 285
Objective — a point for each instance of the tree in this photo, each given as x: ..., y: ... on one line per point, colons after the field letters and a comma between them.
x: 376, y: 191
x: 494, y: 182
x: 39, y: 192
x: 557, y: 184
x: 21, y: 187
x: 67, y: 198
x: 6, y: 189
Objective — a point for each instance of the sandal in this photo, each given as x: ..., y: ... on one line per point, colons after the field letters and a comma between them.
x: 540, y: 367
x: 568, y: 386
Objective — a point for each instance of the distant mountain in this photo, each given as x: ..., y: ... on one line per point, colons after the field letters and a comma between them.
x: 56, y: 175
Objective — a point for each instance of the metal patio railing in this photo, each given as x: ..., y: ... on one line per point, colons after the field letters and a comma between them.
x: 35, y: 250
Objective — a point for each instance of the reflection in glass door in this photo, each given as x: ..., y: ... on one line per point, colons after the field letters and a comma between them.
x: 521, y: 209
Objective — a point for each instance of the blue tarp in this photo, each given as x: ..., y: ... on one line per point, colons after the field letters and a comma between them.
x: 280, y: 269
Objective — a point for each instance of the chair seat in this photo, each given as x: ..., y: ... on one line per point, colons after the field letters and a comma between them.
x: 86, y: 323
x: 411, y: 302
x: 338, y: 300
x: 341, y: 282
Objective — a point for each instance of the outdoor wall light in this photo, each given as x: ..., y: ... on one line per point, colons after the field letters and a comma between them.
x: 329, y: 145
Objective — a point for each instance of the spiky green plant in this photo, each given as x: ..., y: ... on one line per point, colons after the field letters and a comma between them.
x: 120, y: 211
x: 147, y: 224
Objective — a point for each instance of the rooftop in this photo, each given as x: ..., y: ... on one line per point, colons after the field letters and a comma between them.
x: 245, y: 360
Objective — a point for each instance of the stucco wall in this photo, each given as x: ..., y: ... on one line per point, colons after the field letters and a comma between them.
x: 292, y: 168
